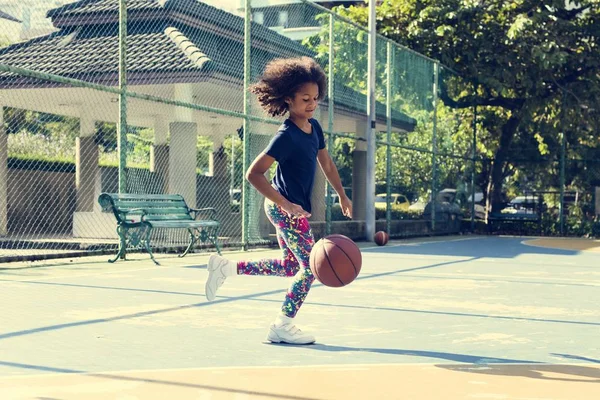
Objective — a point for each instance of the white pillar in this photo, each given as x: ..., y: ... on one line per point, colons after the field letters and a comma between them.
x: 161, y: 130
x: 185, y: 93
x: 359, y: 173
x: 183, y: 147
x: 319, y: 191
x: 86, y: 163
x: 182, y: 160
x: 3, y: 176
x: 218, y: 132
x: 159, y: 152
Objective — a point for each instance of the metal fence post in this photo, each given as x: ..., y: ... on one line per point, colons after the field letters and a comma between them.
x: 436, y: 70
x: 330, y: 105
x: 388, y: 158
x: 371, y: 126
x: 246, y: 128
x: 122, y: 125
x: 563, y: 146
x: 473, y: 166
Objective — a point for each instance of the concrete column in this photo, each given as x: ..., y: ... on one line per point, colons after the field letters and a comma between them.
x: 214, y: 187
x: 219, y: 132
x: 216, y: 159
x: 359, y: 173
x: 159, y: 152
x: 3, y: 176
x: 597, y: 205
x: 317, y: 199
x: 182, y: 160
x: 185, y: 93
x: 183, y: 147
x: 86, y: 164
x: 218, y: 163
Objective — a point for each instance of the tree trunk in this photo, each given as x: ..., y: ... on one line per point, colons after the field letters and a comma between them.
x: 495, y: 187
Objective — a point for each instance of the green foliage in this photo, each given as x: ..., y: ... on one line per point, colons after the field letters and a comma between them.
x: 514, y: 60
x: 341, y: 154
x: 412, y: 94
x: 40, y: 136
x: 48, y: 137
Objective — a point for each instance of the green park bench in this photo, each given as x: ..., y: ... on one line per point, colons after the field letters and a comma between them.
x: 138, y: 214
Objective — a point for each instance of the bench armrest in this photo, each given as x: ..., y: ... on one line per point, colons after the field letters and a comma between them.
x: 197, y: 211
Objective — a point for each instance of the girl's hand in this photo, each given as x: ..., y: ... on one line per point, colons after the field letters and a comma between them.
x: 295, y: 210
x: 346, y: 206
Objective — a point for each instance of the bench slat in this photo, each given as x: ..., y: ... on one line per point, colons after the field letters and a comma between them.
x: 184, y: 224
x: 133, y: 196
x: 150, y: 205
x: 156, y: 211
x: 167, y: 217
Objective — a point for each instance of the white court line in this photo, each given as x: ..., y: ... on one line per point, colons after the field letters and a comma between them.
x: 152, y: 267
x: 512, y: 278
x: 419, y: 243
x: 261, y: 367
x: 237, y: 252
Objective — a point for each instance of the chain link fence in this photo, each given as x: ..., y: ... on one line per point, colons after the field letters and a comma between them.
x: 150, y: 97
x: 551, y: 197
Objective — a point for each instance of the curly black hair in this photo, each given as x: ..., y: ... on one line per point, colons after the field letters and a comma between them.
x: 282, y: 78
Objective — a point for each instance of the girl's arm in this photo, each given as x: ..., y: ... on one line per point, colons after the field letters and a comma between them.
x: 331, y: 173
x: 256, y: 176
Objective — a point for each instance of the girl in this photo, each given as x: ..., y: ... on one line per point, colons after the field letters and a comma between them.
x: 291, y: 86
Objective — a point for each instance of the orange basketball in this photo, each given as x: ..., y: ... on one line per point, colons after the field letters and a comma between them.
x: 381, y: 238
x: 335, y: 260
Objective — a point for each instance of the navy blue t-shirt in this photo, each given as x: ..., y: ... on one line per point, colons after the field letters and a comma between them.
x: 296, y: 155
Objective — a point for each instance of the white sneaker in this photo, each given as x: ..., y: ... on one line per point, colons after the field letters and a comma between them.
x: 219, y: 268
x: 288, y: 333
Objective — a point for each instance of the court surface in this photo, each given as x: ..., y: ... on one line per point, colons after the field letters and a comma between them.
x: 463, y: 317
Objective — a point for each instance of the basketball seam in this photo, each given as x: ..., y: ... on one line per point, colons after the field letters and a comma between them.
x: 385, y: 239
x: 349, y: 259
x: 347, y: 239
x: 331, y: 265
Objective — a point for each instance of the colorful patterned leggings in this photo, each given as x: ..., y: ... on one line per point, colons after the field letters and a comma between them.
x: 296, y: 241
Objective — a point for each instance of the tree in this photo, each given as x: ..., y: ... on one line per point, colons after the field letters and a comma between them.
x: 526, y: 63
x: 412, y: 94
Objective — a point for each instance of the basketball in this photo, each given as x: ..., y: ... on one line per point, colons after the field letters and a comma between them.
x: 381, y: 238
x: 335, y: 260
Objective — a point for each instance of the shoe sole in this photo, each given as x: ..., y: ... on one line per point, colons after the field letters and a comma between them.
x: 282, y: 343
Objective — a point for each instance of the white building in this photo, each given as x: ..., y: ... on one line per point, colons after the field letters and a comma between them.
x: 291, y: 18
x: 32, y: 14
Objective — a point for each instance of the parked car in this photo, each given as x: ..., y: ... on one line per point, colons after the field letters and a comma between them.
x: 479, y: 205
x: 447, y: 210
x: 418, y: 205
x: 523, y: 205
x: 398, y: 201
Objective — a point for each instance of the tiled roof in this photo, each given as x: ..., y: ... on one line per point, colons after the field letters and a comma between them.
x: 92, y: 57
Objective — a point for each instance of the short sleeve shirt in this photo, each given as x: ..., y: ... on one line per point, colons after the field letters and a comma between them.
x: 296, y: 154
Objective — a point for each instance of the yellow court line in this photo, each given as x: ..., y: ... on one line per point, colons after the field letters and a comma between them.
x: 564, y: 244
